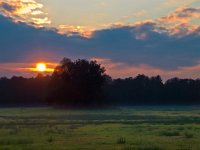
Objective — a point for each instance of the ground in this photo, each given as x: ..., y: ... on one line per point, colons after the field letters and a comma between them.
x: 126, y: 128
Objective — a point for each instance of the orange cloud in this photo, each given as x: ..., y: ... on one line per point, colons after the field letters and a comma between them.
x: 24, y: 10
x: 114, y: 69
x: 70, y: 30
x: 23, y: 69
x: 40, y: 21
x: 183, y: 15
x: 179, y: 22
x: 119, y: 69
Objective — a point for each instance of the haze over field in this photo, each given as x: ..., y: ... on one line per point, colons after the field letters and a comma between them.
x: 128, y: 37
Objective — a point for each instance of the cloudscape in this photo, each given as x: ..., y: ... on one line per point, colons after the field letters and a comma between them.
x: 135, y: 40
x: 100, y: 74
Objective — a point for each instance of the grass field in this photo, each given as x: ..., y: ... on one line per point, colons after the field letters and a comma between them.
x: 135, y: 128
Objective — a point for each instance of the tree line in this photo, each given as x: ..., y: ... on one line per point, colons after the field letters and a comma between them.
x: 83, y: 83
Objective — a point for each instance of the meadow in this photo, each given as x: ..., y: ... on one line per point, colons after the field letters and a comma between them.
x: 125, y: 128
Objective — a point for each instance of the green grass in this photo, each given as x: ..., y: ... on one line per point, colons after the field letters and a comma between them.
x: 133, y: 128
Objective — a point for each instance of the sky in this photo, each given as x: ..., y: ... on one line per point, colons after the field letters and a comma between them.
x: 128, y: 37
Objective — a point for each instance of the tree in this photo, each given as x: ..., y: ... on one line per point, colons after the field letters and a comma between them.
x: 77, y: 83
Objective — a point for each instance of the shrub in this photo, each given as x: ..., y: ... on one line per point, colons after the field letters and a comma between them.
x: 149, y: 148
x: 170, y: 133
x: 189, y: 135
x: 121, y: 140
x: 50, y: 139
x: 16, y: 141
x: 128, y: 148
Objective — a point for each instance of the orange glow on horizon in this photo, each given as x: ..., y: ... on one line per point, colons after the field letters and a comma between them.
x: 42, y: 67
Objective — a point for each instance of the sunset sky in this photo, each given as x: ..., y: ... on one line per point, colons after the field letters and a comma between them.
x: 128, y: 37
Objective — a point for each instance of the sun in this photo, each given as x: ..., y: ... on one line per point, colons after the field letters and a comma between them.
x: 41, y: 67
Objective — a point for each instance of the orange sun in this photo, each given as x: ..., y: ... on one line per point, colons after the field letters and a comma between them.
x: 41, y: 67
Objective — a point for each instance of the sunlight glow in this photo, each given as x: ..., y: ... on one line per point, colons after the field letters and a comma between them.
x: 41, y: 67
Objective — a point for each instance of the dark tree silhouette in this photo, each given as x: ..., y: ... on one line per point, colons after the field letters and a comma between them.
x: 140, y: 90
x: 83, y: 83
x: 77, y: 83
x: 19, y: 91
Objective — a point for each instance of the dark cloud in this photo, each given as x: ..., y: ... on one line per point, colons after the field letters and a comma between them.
x: 138, y: 44
x: 188, y: 12
x: 20, y: 42
x: 7, y: 7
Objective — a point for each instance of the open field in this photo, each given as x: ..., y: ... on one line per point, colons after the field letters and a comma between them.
x: 135, y: 128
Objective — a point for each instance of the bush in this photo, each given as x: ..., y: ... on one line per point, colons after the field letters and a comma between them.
x: 170, y: 133
x: 149, y: 148
x: 50, y: 139
x: 189, y: 135
x: 15, y: 141
x: 128, y: 148
x: 121, y: 140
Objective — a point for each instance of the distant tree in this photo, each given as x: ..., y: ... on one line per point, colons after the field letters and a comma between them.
x: 84, y: 83
x: 140, y: 90
x: 182, y: 91
x: 19, y: 91
x: 77, y: 83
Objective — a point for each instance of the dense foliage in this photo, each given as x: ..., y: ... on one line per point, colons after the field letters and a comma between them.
x: 21, y: 91
x: 77, y: 83
x: 143, y: 90
x: 84, y: 83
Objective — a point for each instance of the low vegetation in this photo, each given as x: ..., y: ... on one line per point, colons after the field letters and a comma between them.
x: 121, y: 140
x: 170, y: 133
x: 133, y: 128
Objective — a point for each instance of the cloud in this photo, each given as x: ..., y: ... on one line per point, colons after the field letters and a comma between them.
x: 146, y: 46
x: 122, y: 70
x: 183, y: 15
x: 71, y: 30
x: 25, y: 11
x: 40, y: 21
x: 23, y: 69
x: 179, y: 22
x: 6, y: 7
x: 139, y: 14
